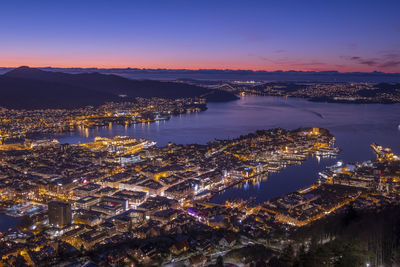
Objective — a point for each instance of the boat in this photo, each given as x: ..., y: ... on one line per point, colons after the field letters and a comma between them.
x: 161, y: 118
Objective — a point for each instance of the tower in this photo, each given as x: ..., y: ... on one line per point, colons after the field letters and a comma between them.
x: 60, y: 213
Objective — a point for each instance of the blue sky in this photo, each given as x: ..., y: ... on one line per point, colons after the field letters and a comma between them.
x: 267, y: 35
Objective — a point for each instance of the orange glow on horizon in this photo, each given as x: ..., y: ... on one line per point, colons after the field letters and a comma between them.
x: 201, y: 65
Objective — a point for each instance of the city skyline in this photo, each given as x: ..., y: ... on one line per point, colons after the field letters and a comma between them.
x: 361, y: 36
x: 200, y: 133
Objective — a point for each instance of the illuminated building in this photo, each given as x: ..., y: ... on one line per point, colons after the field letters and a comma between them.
x: 60, y: 213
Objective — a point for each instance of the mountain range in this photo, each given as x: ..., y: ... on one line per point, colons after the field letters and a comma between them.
x: 215, y: 74
x: 31, y: 88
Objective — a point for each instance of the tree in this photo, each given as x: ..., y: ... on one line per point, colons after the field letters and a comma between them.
x: 82, y: 249
x: 220, y: 261
x: 287, y: 258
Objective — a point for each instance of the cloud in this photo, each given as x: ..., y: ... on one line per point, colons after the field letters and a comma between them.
x: 309, y: 63
x: 385, y: 59
x: 339, y: 66
x: 390, y: 55
x: 285, y: 61
x: 390, y: 64
x: 368, y: 62
x: 363, y: 61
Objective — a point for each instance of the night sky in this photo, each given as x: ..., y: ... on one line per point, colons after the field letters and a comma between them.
x: 258, y: 35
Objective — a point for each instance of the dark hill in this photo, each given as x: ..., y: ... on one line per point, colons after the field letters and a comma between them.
x: 19, y: 93
x: 381, y: 88
x: 23, y: 85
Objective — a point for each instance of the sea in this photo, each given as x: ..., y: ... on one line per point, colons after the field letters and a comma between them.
x: 355, y: 127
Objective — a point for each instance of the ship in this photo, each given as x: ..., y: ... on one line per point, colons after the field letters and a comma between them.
x: 161, y: 118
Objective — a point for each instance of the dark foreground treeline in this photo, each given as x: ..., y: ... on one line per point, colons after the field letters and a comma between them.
x: 354, y: 238
x: 351, y: 238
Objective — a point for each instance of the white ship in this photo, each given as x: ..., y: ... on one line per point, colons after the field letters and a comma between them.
x: 161, y: 118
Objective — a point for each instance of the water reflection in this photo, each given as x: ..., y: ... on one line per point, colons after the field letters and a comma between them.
x: 355, y: 127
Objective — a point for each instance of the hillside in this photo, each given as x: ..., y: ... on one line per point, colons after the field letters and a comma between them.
x: 29, y: 88
x: 20, y: 93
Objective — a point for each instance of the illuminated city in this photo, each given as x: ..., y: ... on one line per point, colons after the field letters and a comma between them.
x: 200, y: 133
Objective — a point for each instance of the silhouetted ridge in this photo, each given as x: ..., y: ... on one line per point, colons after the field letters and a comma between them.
x: 26, y: 87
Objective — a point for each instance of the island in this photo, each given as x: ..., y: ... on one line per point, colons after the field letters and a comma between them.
x: 331, y: 92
